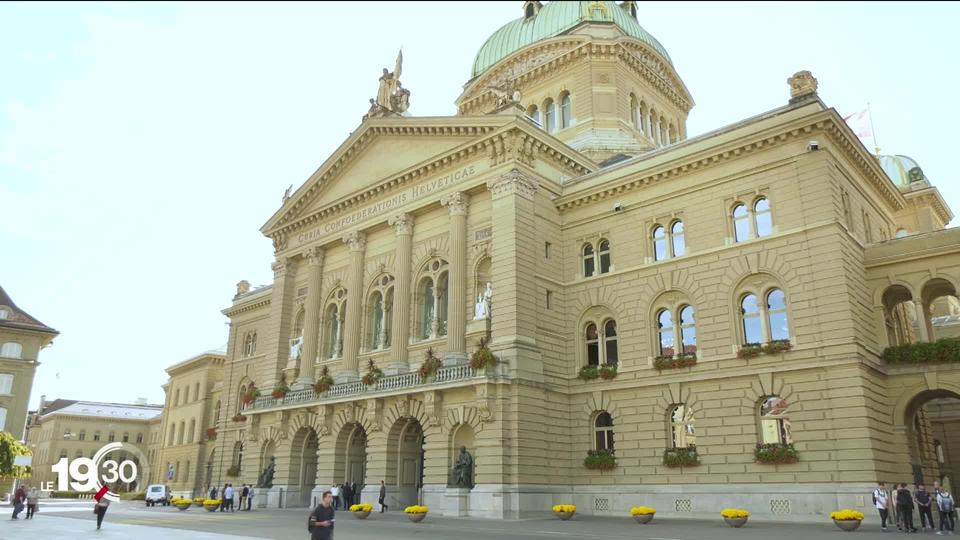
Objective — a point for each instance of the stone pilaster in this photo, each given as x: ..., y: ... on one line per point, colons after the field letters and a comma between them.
x: 514, y: 251
x: 281, y: 316
x: 456, y: 203
x: 357, y: 242
x: 400, y: 327
x: 311, y: 317
x: 923, y: 320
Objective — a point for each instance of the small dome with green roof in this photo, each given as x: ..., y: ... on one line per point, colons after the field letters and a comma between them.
x: 554, y: 19
x: 903, y: 170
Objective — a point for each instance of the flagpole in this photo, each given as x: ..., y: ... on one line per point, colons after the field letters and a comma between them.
x: 873, y: 130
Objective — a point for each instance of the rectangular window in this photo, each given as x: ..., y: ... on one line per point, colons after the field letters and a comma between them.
x: 546, y: 250
x: 6, y: 383
x: 549, y: 299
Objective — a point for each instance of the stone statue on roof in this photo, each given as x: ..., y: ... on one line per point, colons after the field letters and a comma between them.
x: 391, y: 98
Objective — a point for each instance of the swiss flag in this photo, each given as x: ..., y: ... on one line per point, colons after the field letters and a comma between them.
x: 860, y: 123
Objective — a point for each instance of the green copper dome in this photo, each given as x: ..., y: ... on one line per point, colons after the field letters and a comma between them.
x: 552, y: 20
x: 902, y: 170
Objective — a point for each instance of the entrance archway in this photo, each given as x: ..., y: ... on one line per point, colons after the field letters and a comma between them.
x: 932, y: 419
x: 350, y: 463
x: 405, y: 457
x: 303, y: 463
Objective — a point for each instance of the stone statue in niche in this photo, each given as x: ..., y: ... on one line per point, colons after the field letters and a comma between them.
x: 482, y: 309
x: 463, y: 470
x: 266, y: 477
x: 295, y: 345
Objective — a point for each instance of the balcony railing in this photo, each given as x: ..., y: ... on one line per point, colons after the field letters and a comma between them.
x: 385, y: 384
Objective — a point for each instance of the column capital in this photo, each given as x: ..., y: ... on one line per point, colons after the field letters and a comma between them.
x: 314, y: 256
x: 456, y: 203
x: 513, y: 182
x: 356, y: 240
x: 281, y: 266
x: 402, y: 223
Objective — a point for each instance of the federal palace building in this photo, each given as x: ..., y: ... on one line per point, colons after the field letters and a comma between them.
x: 598, y: 308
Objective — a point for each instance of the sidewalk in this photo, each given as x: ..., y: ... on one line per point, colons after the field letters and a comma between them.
x: 60, y: 528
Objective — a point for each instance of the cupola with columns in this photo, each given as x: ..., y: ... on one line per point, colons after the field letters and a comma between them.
x: 585, y: 72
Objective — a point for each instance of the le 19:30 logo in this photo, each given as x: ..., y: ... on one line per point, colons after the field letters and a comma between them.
x: 84, y: 475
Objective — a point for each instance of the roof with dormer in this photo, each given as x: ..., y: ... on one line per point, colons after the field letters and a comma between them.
x: 18, y: 318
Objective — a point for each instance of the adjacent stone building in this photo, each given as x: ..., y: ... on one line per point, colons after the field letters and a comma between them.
x: 686, y: 323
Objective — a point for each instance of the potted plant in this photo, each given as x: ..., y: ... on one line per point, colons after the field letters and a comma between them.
x: 681, y: 360
x: 373, y: 374
x: 181, y: 503
x: 280, y: 390
x: 483, y: 358
x: 198, y: 501
x: 735, y: 517
x: 588, y: 373
x: 608, y: 371
x: 324, y: 382
x: 564, y: 511
x: 250, y: 395
x: 848, y: 520
x: 233, y: 471
x: 239, y: 418
x: 211, y: 505
x: 777, y: 346
x: 431, y: 363
x: 749, y: 350
x: 642, y: 514
x: 600, y: 460
x: 416, y: 513
x: 212, y: 434
x: 776, y: 453
x: 361, y: 511
x: 684, y: 456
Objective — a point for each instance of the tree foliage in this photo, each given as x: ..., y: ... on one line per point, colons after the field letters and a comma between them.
x: 9, y: 449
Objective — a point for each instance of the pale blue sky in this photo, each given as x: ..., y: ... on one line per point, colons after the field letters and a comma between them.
x: 142, y: 146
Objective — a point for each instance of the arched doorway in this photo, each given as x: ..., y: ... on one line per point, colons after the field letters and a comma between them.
x: 350, y: 462
x: 932, y: 419
x: 943, y: 309
x: 405, y: 458
x: 303, y: 464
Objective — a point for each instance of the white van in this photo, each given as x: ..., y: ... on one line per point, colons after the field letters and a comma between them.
x: 157, y: 493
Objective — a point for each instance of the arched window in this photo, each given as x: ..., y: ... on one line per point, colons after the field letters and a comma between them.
x: 180, y: 430
x: 764, y: 221
x: 642, y: 119
x: 665, y: 332
x: 663, y: 131
x: 588, y: 262
x: 659, y: 243
x: 681, y: 427
x: 216, y: 413
x: 774, y: 424
x: 139, y: 438
x: 534, y: 113
x: 603, y: 249
x: 592, y: 338
x: 112, y: 437
x: 126, y: 437
x: 688, y: 330
x: 751, y: 319
x: 96, y: 435
x: 11, y: 349
x: 529, y: 12
x: 432, y: 296
x: 635, y: 112
x: 603, y: 431
x: 679, y: 245
x: 82, y: 436
x: 777, y: 315
x: 741, y: 223
x: 611, y: 354
x: 333, y: 316
x: 566, y: 110
x: 428, y: 308
x: 193, y: 428
x: 549, y: 115
x: 652, y: 130
x: 380, y: 314
x: 250, y: 344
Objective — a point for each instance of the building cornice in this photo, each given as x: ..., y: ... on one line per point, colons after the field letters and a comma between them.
x: 245, y: 307
x: 931, y: 197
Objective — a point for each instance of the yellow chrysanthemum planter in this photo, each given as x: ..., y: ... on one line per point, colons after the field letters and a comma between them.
x: 847, y: 520
x: 180, y: 503
x: 211, y: 505
x: 642, y: 514
x: 564, y: 511
x: 361, y: 511
x: 735, y: 517
x: 416, y: 513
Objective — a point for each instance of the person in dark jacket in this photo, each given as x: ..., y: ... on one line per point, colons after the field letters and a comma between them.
x: 320, y: 523
x: 347, y: 493
x: 922, y: 497
x: 355, y: 492
x: 905, y: 508
x: 383, y: 497
x: 19, y: 501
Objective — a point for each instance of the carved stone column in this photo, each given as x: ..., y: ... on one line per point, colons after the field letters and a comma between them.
x: 278, y: 330
x: 923, y: 335
x: 357, y: 241
x: 400, y: 327
x: 311, y: 317
x: 456, y: 203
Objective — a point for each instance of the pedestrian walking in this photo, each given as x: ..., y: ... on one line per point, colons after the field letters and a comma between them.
x: 383, y: 497
x: 250, y: 498
x: 33, y: 499
x: 244, y: 493
x: 223, y: 499
x: 880, y: 500
x: 335, y: 493
x: 945, y: 506
x: 19, y: 501
x: 100, y: 509
x: 213, y: 492
x: 320, y: 523
x: 924, y: 503
x: 905, y: 508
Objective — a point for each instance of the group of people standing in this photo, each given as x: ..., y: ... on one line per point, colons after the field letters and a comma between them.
x: 901, y: 501
x: 344, y: 495
x: 25, y: 498
x: 246, y: 493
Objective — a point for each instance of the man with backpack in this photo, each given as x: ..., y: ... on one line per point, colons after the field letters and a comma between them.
x: 881, y: 501
x: 945, y: 505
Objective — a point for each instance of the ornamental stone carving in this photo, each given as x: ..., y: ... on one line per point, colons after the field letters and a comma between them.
x: 802, y: 84
x: 402, y: 223
x: 456, y: 203
x: 281, y: 266
x: 314, y: 256
x: 356, y: 240
x: 513, y: 182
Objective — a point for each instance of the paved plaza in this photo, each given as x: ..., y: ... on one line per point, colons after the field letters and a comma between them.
x: 61, y: 519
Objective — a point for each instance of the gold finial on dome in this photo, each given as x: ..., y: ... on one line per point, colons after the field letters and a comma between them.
x: 802, y: 85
